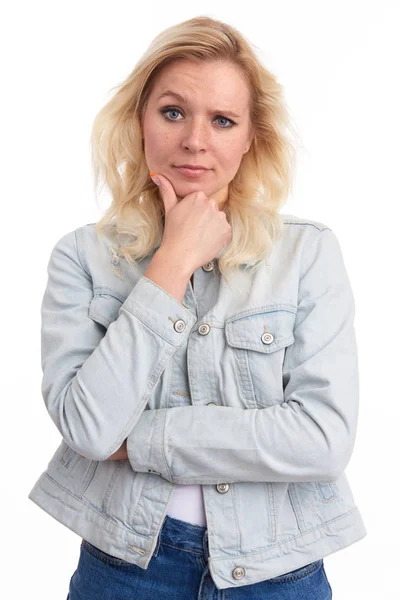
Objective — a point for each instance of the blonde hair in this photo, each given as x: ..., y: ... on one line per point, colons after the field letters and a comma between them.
x: 135, y: 218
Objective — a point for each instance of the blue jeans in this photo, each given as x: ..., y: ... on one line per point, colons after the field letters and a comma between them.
x: 178, y: 571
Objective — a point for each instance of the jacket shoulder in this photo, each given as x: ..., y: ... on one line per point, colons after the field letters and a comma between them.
x: 300, y: 232
x: 85, y: 245
x: 291, y: 221
x: 96, y: 251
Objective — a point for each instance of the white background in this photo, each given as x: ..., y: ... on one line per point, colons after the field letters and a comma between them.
x: 339, y: 64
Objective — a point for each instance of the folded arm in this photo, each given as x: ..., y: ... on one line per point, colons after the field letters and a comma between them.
x: 308, y: 437
x: 96, y: 383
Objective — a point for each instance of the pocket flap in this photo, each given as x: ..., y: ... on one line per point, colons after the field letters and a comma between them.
x: 264, y: 330
x: 104, y: 307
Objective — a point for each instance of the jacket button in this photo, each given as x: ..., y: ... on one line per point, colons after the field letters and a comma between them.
x: 238, y: 573
x: 204, y: 329
x: 223, y: 487
x: 267, y: 338
x: 211, y: 404
x: 179, y: 325
x: 208, y: 266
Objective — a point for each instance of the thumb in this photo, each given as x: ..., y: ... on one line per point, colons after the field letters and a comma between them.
x: 167, y: 192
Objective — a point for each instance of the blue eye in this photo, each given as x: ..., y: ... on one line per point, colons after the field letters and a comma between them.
x: 167, y: 110
x: 171, y: 109
x: 225, y: 119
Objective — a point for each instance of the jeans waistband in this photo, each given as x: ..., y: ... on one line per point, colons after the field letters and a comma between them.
x: 183, y: 535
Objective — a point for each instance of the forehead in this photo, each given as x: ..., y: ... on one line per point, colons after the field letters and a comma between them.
x: 217, y: 80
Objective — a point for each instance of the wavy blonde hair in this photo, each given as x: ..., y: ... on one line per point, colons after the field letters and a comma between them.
x: 135, y: 218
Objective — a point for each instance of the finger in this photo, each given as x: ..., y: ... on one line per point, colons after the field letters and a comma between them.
x: 167, y: 192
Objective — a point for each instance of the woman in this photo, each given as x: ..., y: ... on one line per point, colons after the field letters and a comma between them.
x: 198, y: 350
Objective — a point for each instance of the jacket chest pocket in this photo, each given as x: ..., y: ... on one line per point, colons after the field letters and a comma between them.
x: 258, y: 340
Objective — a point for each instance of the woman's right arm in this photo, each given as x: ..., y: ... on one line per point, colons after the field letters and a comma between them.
x: 163, y: 271
x: 96, y: 385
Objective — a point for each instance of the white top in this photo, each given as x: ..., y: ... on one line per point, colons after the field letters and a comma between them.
x: 187, y: 504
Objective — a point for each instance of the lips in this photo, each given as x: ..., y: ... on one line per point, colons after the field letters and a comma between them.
x: 189, y: 166
x: 194, y: 167
x: 192, y: 172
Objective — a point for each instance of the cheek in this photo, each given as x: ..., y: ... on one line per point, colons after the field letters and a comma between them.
x: 158, y: 141
x: 231, y: 153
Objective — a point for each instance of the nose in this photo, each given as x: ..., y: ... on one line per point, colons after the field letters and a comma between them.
x: 195, y: 136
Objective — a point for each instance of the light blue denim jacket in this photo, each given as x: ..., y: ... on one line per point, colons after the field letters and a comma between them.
x: 251, y: 391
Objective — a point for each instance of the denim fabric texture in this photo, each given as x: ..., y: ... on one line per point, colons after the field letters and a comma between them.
x: 178, y: 570
x: 250, y: 391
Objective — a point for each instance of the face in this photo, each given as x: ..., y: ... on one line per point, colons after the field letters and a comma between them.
x: 208, y: 125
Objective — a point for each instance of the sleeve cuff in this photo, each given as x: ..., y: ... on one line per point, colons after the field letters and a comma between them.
x: 145, y: 444
x: 160, y: 311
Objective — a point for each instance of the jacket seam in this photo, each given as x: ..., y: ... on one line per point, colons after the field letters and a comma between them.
x: 310, y: 224
x: 80, y: 255
x: 163, y: 445
x: 306, y: 250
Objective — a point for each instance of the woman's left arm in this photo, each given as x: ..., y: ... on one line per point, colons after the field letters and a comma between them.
x: 310, y: 435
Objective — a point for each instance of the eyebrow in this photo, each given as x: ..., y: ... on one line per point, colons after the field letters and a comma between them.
x: 182, y: 99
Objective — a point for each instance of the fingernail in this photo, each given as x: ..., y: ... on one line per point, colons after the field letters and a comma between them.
x: 154, y: 178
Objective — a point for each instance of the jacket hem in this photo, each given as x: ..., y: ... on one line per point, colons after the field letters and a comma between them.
x: 289, y: 555
x: 93, y: 525
x: 101, y: 531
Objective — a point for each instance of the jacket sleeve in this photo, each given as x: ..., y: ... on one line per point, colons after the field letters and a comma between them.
x: 309, y: 436
x: 95, y: 385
